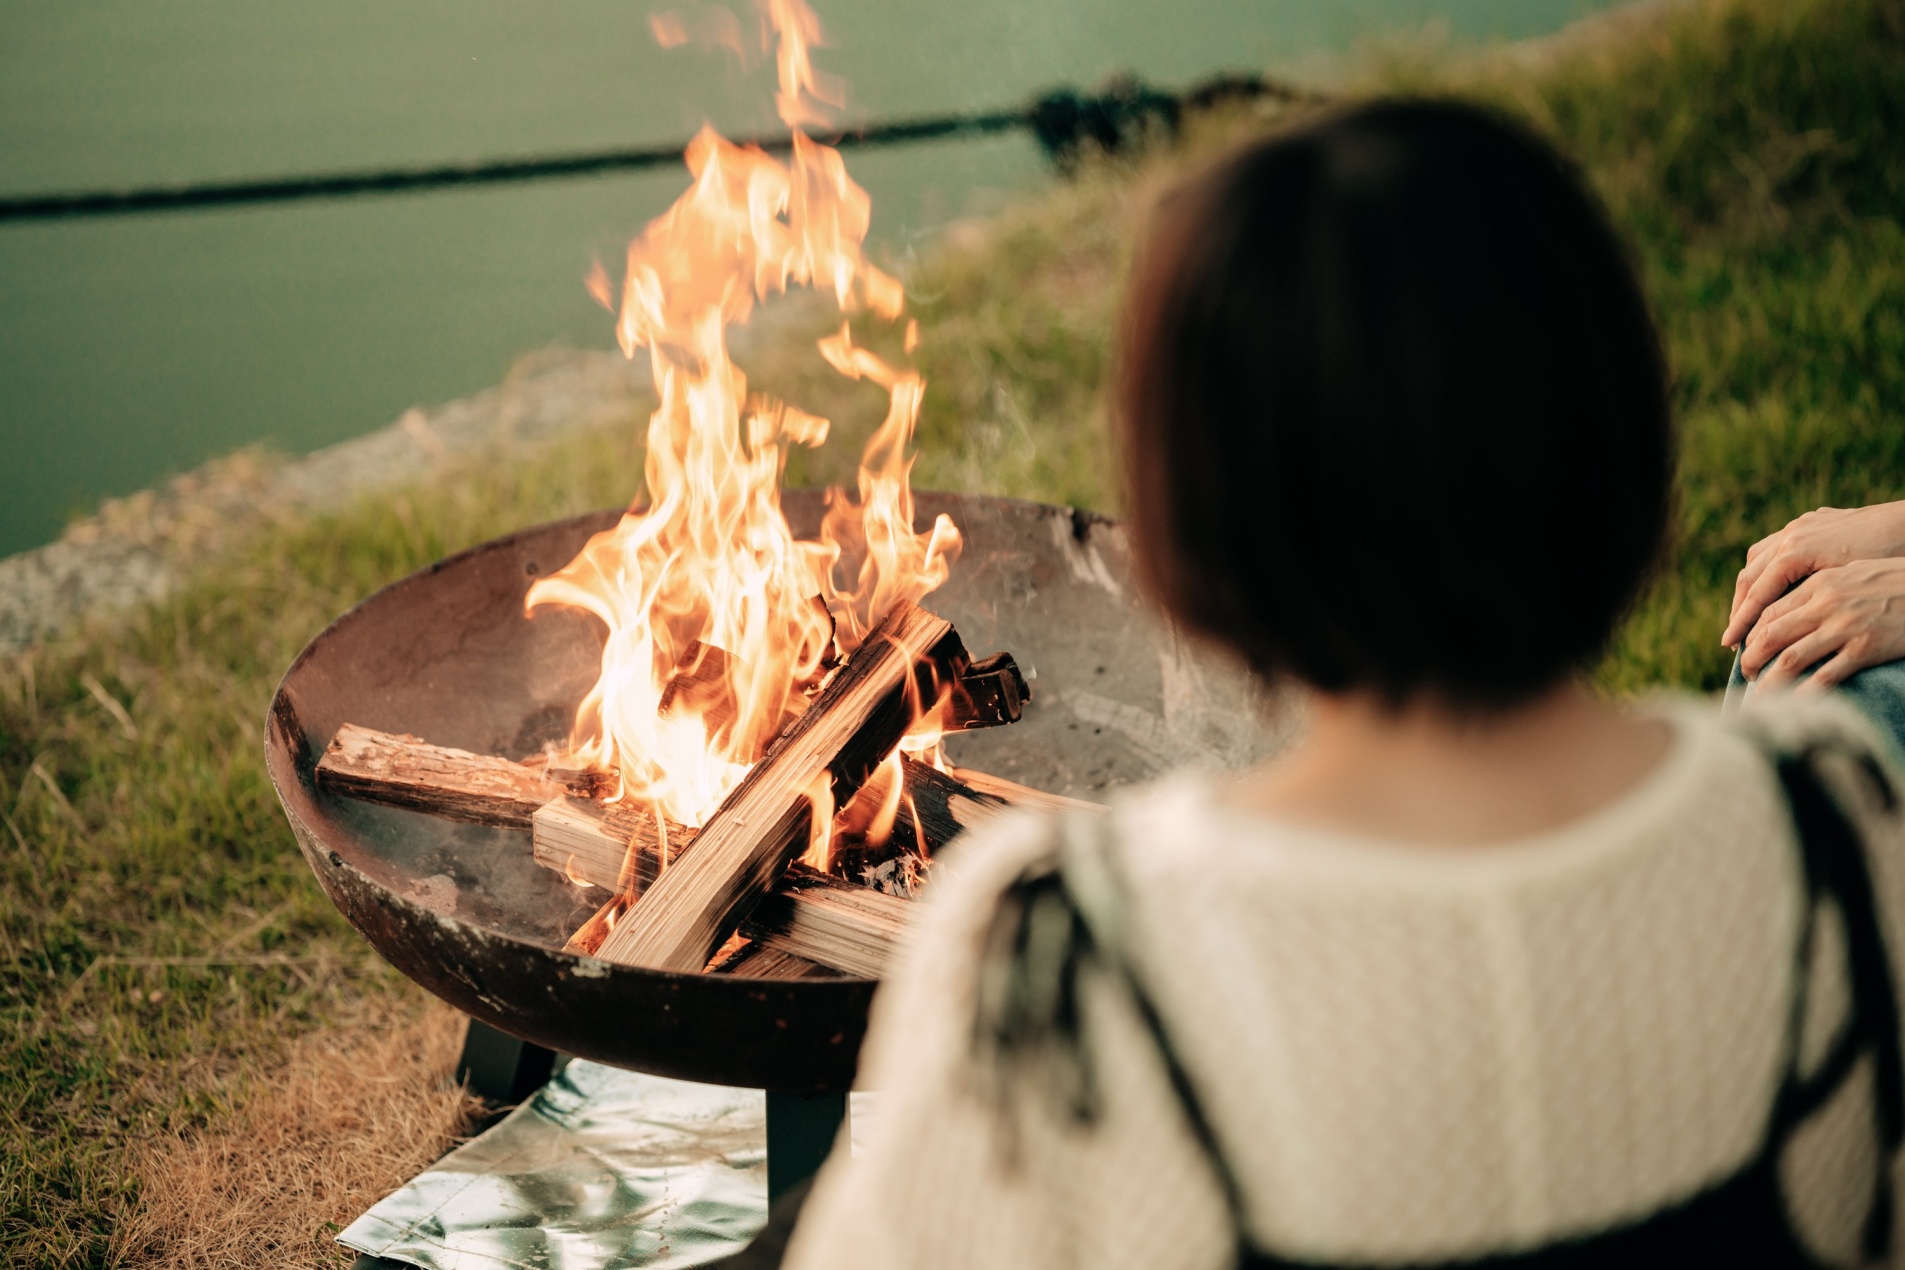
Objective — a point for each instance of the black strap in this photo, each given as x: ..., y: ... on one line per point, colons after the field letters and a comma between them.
x: 1837, y: 871
x: 1095, y: 886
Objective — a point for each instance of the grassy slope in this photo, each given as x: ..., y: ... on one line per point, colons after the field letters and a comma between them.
x: 170, y: 844
x: 1757, y: 158
x: 1755, y: 152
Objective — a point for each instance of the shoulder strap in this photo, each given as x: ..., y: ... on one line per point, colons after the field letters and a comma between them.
x: 1065, y: 912
x: 1094, y: 884
x: 1833, y: 859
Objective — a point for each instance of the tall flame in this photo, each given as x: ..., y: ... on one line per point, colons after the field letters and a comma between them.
x: 705, y: 558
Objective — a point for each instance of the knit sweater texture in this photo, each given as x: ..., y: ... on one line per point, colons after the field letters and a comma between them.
x: 1408, y: 1052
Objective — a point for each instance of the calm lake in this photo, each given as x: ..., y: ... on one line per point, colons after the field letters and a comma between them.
x: 138, y: 347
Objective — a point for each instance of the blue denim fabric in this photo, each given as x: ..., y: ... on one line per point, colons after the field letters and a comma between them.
x: 1879, y: 692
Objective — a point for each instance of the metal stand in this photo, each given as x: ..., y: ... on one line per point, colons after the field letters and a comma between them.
x: 502, y: 1070
x: 801, y: 1130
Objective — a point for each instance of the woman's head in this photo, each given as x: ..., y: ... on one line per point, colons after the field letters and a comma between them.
x: 1395, y: 413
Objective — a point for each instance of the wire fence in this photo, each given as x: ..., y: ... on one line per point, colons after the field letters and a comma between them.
x: 1065, y: 123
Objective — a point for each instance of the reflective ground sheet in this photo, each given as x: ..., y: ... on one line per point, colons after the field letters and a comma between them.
x: 602, y: 1169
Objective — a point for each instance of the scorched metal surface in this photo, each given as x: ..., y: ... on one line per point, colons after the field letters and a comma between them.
x: 446, y: 654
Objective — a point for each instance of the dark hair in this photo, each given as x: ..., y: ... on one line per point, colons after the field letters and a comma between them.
x: 1395, y: 414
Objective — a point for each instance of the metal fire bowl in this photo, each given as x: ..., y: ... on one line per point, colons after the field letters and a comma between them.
x: 447, y: 655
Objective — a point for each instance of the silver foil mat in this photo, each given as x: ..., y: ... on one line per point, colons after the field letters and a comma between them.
x: 601, y: 1169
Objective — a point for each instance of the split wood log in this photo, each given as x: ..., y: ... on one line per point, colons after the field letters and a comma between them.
x: 594, y: 842
x: 406, y: 771
x: 1017, y: 795
x: 811, y: 925
x: 809, y: 915
x: 934, y: 808
x: 584, y: 782
x: 615, y: 846
x: 881, y: 826
x: 991, y: 693
x: 818, y: 917
x: 752, y: 960
x: 589, y: 936
x: 822, y: 758
x: 403, y: 771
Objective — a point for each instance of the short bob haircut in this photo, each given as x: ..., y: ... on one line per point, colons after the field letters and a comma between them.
x: 1394, y: 412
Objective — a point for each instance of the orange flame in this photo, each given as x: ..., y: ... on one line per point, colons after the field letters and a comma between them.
x: 706, y: 554
x: 717, y: 28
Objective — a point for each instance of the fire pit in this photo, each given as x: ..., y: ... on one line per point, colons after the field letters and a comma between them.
x: 466, y: 911
x: 562, y: 779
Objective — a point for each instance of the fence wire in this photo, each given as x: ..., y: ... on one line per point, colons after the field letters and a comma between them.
x: 1065, y: 123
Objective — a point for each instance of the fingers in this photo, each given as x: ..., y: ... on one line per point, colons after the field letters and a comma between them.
x: 1832, y: 672
x: 1797, y: 656
x: 1783, y: 624
x: 1756, y: 557
x: 1764, y: 545
x: 1776, y: 574
x: 1736, y: 629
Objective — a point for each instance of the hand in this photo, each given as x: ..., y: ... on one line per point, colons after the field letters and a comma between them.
x: 1823, y: 539
x: 1842, y: 619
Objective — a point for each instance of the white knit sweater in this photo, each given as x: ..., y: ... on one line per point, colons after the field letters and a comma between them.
x: 1408, y: 1053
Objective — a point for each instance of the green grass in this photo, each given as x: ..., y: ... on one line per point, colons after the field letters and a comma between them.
x: 161, y: 841
x: 1754, y: 152
x: 1755, y: 155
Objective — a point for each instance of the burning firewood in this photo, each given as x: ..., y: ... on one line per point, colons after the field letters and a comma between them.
x: 821, y: 919
x: 592, y: 842
x: 838, y: 743
x: 746, y: 959
x: 615, y: 846
x: 699, y: 683
x: 934, y: 807
x: 809, y: 925
x: 403, y: 771
x: 818, y: 917
x: 817, y: 763
x: 991, y: 692
x: 407, y: 771
x: 988, y: 694
x: 986, y: 785
x: 589, y: 840
x: 942, y: 805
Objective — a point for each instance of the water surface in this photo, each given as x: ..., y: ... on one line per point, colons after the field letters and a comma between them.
x: 133, y: 348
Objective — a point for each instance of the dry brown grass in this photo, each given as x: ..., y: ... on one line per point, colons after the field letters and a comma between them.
x: 350, y: 1114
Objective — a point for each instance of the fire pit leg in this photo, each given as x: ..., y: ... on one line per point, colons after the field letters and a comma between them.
x: 801, y: 1129
x: 500, y: 1069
